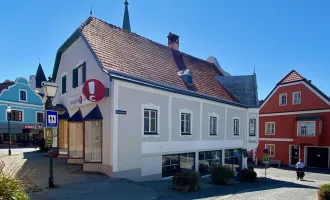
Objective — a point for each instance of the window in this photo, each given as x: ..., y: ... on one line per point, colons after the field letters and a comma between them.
x: 15, y: 115
x: 270, y: 128
x: 233, y: 159
x: 150, y: 122
x: 207, y: 160
x: 296, y: 98
x: 252, y: 131
x: 306, y: 128
x: 236, y: 127
x: 40, y: 117
x: 213, y: 125
x: 79, y: 75
x: 185, y: 124
x: 76, y: 140
x: 271, y: 149
x: 93, y: 141
x: 283, y: 99
x: 172, y: 164
x: 63, y: 84
x: 22, y: 95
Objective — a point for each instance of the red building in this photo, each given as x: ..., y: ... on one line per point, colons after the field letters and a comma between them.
x: 294, y: 122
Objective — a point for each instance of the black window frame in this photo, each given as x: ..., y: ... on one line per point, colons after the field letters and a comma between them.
x: 189, y: 131
x: 149, y: 119
x: 40, y: 117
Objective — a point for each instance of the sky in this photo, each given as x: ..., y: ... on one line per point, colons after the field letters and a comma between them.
x: 274, y: 36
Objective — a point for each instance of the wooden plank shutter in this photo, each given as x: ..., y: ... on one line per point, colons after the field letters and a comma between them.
x: 84, y: 72
x: 75, y: 78
x: 64, y: 84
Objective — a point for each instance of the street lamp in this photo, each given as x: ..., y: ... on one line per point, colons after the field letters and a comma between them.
x: 8, y: 109
x: 50, y: 89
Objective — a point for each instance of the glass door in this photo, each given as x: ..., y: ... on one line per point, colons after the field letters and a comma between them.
x: 294, y: 154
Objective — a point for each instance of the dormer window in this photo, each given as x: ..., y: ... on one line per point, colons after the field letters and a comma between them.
x: 186, y: 76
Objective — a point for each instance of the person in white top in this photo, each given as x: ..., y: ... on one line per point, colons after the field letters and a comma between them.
x: 300, y: 167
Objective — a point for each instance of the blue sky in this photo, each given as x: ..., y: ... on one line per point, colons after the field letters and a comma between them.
x: 276, y: 36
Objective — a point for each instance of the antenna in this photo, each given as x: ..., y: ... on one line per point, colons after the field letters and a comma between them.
x: 91, y: 11
x: 254, y: 68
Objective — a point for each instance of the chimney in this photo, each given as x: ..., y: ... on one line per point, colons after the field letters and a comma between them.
x: 173, y: 41
x: 32, y: 82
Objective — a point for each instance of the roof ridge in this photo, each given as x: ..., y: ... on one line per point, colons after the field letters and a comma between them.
x: 89, y: 19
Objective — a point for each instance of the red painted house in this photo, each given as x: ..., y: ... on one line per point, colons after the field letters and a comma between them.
x: 294, y: 122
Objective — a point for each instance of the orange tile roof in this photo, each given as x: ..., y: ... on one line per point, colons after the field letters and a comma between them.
x: 292, y: 77
x: 129, y: 53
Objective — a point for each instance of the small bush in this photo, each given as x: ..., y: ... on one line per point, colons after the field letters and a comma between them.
x: 324, y: 192
x: 10, y: 187
x: 247, y: 175
x: 186, y: 180
x: 221, y: 175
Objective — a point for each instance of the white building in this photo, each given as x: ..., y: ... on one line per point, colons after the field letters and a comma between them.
x: 163, y: 110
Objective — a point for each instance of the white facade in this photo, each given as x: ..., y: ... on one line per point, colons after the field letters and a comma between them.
x: 127, y: 151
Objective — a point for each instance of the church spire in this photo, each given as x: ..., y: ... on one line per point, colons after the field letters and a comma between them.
x: 126, y: 23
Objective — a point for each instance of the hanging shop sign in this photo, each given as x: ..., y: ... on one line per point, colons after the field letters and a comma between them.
x: 91, y: 91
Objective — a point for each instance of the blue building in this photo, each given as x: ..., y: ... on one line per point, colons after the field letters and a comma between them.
x: 27, y: 115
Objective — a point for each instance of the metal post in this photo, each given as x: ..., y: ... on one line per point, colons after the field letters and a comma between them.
x: 51, y: 178
x: 9, y: 150
x: 265, y: 170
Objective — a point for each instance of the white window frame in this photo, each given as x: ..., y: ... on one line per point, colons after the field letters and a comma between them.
x: 293, y: 98
x: 213, y: 114
x: 6, y: 115
x: 19, y: 95
x: 150, y: 106
x: 298, y: 128
x: 239, y: 126
x: 266, y: 128
x: 280, y: 99
x: 187, y: 111
x: 271, y: 156
x: 43, y: 115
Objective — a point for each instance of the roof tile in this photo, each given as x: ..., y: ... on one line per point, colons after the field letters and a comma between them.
x: 292, y: 77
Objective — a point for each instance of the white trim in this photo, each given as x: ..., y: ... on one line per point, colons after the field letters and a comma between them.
x: 217, y: 116
x: 41, y: 108
x: 280, y: 99
x: 294, y: 113
x: 42, y: 116
x: 185, y: 110
x: 239, y: 127
x: 266, y: 128
x: 290, y: 153
x: 295, y: 83
x: 277, y: 139
x: 200, y: 121
x: 293, y: 95
x: 189, y: 146
x: 22, y: 104
x: 12, y: 110
x: 298, y: 123
x: 176, y: 95
x: 19, y: 95
x: 115, y: 127
x: 151, y: 107
x: 225, y: 123
x: 269, y: 151
x: 170, y: 119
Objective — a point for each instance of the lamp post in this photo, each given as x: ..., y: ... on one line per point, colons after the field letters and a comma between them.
x: 50, y: 89
x: 8, y: 109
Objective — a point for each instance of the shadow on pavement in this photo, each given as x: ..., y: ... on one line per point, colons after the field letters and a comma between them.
x: 309, y: 170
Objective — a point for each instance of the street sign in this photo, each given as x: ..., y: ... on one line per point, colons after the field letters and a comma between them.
x: 49, y: 136
x: 51, y: 119
x: 266, y: 159
x: 266, y: 151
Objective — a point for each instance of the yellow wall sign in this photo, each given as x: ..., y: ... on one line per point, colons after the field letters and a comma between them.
x: 49, y: 136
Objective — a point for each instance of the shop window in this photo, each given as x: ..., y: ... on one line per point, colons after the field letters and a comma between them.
x: 233, y: 159
x: 76, y: 140
x: 40, y: 117
x: 93, y: 141
x: 207, y: 160
x: 63, y: 137
x: 15, y: 115
x: 173, y: 164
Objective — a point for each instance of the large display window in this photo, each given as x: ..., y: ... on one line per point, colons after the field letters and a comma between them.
x: 63, y: 128
x: 207, y: 160
x: 93, y: 141
x: 233, y: 158
x: 76, y: 140
x: 173, y: 164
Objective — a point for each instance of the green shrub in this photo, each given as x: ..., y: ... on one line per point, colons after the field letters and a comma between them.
x: 221, y: 175
x: 186, y: 180
x: 11, y: 189
x: 247, y: 175
x: 324, y: 192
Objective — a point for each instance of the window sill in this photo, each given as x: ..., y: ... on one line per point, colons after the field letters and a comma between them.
x: 236, y: 135
x: 212, y: 135
x: 306, y: 135
x: 269, y: 133
x: 150, y: 133
x: 186, y: 134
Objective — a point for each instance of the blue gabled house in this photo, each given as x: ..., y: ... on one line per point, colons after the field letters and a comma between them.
x: 27, y: 115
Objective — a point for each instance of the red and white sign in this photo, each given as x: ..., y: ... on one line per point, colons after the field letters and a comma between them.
x: 29, y: 127
x: 91, y: 91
